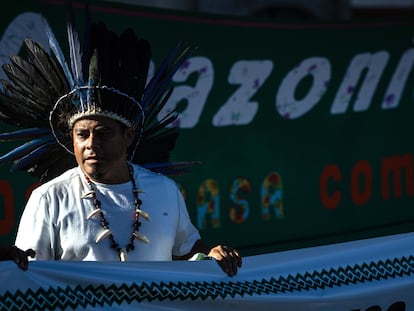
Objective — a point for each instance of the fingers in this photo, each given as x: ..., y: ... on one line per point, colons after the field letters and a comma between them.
x: 22, y: 262
x: 20, y: 257
x: 232, y: 260
x: 228, y: 259
x: 30, y: 253
x: 237, y: 260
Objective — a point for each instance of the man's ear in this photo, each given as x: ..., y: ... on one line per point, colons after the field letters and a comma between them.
x: 130, y: 135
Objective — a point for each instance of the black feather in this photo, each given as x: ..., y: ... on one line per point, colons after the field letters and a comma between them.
x: 118, y: 67
x: 27, y: 97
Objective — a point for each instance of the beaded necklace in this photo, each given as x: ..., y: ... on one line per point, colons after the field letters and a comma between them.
x: 105, y: 225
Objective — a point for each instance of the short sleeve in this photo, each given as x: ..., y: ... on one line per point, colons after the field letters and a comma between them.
x: 34, y: 229
x: 187, y: 233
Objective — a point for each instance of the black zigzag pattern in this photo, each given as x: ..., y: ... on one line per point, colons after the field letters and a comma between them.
x: 90, y: 296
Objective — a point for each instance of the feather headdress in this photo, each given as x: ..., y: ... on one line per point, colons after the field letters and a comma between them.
x: 45, y: 95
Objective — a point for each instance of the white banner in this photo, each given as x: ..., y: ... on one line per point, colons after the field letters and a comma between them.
x: 372, y: 275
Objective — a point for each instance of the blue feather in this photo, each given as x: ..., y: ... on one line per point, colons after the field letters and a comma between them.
x: 28, y: 159
x: 163, y: 76
x: 25, y: 149
x: 149, y: 92
x: 75, y: 54
x: 156, y: 165
x: 170, y: 168
x: 57, y: 51
x: 25, y: 133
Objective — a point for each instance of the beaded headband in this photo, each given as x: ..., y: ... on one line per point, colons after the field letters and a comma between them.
x: 94, y: 109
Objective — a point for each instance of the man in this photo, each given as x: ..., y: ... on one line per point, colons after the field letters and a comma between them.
x: 107, y: 207
x: 55, y: 221
x: 17, y: 255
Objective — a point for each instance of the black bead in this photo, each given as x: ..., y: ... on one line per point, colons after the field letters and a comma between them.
x: 105, y: 224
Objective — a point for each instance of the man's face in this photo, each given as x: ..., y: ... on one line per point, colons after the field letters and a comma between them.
x: 100, y: 145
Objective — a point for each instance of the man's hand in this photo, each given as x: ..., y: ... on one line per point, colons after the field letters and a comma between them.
x: 227, y: 257
x: 19, y: 256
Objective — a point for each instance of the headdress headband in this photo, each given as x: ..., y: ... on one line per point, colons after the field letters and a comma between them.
x: 92, y: 109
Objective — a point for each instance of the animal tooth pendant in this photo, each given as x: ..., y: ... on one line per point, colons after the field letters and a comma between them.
x: 139, y: 236
x: 123, y: 255
x: 94, y: 213
x: 143, y: 214
x: 103, y: 235
x: 122, y: 252
x: 91, y: 192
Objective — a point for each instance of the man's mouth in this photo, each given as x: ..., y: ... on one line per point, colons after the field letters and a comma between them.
x: 92, y: 160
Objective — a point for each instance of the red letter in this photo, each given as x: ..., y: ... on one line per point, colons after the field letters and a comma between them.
x: 396, y: 165
x: 330, y: 171
x: 31, y: 188
x: 6, y: 191
x: 361, y: 196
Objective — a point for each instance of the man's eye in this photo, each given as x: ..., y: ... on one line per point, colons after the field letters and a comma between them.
x: 82, y: 135
x: 104, y: 134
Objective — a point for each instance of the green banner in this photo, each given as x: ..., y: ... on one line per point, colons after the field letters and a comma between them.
x: 302, y: 129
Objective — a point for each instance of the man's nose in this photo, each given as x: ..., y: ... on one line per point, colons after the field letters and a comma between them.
x: 93, y: 141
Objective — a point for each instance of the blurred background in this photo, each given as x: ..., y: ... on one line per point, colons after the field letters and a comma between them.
x: 302, y: 9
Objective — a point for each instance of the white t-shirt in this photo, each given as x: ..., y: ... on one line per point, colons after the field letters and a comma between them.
x: 54, y: 222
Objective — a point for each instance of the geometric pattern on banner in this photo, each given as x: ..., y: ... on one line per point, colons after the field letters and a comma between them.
x: 84, y: 296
